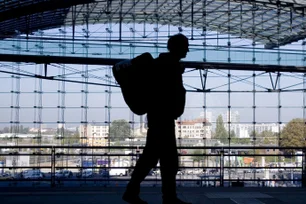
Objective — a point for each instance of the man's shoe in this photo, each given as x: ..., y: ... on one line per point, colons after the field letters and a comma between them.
x: 175, y: 201
x: 133, y: 199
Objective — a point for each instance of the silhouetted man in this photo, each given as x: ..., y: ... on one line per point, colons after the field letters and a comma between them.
x: 167, y: 103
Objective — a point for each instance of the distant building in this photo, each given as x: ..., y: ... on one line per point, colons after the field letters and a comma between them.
x: 244, y: 130
x: 37, y: 129
x: 25, y: 136
x: 17, y: 160
x: 94, y: 134
x: 11, y: 135
x: 231, y: 116
x: 197, y: 128
x: 72, y: 129
x: 140, y: 131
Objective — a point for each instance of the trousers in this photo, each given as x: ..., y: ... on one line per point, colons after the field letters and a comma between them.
x: 160, y: 146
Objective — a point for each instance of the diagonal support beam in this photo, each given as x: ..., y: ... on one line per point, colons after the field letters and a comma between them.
x: 203, y: 77
x: 274, y: 83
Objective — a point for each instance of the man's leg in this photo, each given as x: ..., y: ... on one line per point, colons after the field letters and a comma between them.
x: 169, y: 167
x: 145, y: 163
x: 168, y: 163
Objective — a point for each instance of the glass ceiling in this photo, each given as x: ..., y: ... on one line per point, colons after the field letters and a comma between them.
x: 270, y: 23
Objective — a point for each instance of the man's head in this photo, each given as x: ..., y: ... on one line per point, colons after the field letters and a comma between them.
x: 178, y: 45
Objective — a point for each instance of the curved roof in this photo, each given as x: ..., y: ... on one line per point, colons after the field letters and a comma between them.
x: 270, y: 22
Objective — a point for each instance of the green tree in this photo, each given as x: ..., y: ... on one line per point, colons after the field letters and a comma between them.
x: 254, y: 134
x: 221, y: 132
x: 254, y: 137
x: 267, y: 137
x: 197, y: 158
x: 234, y: 139
x: 73, y: 138
x: 232, y: 133
x: 293, y: 134
x: 119, y: 130
x: 258, y: 158
x: 245, y: 140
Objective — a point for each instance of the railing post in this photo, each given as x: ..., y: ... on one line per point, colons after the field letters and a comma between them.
x: 304, y: 169
x: 222, y: 168
x: 52, y: 167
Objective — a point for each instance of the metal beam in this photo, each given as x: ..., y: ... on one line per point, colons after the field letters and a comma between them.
x: 188, y: 64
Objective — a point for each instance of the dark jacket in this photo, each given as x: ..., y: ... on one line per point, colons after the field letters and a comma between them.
x: 167, y: 93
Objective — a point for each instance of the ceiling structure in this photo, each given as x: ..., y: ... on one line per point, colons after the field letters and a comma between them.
x: 272, y: 23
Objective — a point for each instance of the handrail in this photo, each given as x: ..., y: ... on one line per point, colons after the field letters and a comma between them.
x: 224, y: 167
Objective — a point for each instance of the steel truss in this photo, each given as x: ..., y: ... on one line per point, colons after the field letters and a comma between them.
x: 191, y: 67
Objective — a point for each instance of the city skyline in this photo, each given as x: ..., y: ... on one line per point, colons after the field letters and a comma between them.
x: 234, y: 124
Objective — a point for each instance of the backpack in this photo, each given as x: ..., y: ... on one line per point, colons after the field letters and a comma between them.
x: 132, y: 76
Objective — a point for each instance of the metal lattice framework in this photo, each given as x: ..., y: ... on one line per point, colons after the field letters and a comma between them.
x: 269, y: 22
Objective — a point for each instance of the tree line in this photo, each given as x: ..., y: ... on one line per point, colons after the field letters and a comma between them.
x: 292, y: 135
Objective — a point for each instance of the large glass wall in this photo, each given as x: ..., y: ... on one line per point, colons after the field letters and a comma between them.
x: 79, y: 109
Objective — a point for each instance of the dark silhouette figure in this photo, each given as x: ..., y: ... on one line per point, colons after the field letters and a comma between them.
x: 167, y: 103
